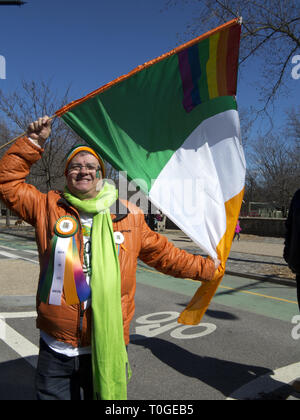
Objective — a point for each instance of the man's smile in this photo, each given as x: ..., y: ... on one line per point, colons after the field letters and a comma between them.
x: 83, y: 181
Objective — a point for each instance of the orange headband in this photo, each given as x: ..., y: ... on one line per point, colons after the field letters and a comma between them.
x: 79, y: 149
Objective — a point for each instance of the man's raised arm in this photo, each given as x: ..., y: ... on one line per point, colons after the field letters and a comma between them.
x: 20, y: 197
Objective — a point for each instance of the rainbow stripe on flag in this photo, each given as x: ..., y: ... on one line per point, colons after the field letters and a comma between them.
x: 208, y: 69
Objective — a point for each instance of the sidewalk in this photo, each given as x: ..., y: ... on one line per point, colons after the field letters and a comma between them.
x: 253, y: 257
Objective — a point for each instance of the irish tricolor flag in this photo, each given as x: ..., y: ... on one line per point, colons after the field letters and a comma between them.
x: 172, y: 124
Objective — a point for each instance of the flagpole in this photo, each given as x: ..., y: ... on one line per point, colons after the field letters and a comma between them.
x: 21, y: 135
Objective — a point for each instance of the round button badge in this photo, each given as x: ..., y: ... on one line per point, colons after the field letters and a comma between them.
x: 119, y: 238
x: 66, y: 226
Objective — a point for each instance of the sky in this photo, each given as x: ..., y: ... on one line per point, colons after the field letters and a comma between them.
x: 85, y: 44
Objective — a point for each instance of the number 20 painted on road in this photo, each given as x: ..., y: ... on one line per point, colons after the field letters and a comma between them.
x: 152, y: 327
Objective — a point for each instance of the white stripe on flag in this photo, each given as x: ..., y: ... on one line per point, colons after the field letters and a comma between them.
x: 207, y: 171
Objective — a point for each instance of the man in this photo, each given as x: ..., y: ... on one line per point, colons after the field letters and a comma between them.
x: 291, y: 251
x: 88, y: 259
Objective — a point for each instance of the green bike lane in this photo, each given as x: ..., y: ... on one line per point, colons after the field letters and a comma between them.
x: 273, y: 300
x: 17, y: 242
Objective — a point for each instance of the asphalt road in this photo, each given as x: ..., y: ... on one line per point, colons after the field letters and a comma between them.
x: 246, y: 347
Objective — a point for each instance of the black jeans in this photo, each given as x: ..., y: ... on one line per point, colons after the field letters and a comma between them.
x: 60, y: 377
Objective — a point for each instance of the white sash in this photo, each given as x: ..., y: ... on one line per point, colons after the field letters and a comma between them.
x: 61, y: 250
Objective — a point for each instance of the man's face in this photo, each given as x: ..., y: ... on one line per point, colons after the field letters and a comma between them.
x: 82, y: 178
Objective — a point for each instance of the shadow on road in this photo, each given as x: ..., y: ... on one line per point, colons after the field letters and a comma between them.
x: 222, y: 375
x: 17, y: 379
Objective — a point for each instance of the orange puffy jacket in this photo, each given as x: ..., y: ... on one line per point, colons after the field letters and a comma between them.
x: 72, y: 324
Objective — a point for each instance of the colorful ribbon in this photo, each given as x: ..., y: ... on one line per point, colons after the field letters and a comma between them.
x: 63, y: 271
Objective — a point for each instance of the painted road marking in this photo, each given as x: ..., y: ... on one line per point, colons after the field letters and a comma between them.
x: 17, y: 244
x: 258, y: 294
x: 31, y: 251
x: 17, y: 342
x: 16, y: 257
x: 268, y: 383
x: 152, y: 327
x: 8, y: 247
x: 16, y: 315
x: 8, y: 255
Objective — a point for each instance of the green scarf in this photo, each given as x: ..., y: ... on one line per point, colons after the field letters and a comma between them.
x: 109, y: 355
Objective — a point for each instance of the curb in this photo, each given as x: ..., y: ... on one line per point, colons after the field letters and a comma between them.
x: 265, y: 278
x: 30, y: 236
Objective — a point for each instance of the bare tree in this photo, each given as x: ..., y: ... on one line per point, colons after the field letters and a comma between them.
x: 293, y: 131
x: 4, y: 134
x: 271, y: 31
x: 294, y: 125
x: 27, y: 104
x: 252, y: 190
x: 276, y: 170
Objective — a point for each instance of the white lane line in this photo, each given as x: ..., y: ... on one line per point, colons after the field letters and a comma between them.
x: 268, y: 383
x: 16, y: 257
x: 28, y: 251
x: 8, y: 247
x: 8, y: 255
x: 16, y: 341
x: 31, y: 251
x: 12, y: 315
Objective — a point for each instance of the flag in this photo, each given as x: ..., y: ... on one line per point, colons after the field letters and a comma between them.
x: 172, y: 124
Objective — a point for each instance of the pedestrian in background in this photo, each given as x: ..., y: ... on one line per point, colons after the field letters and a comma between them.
x: 238, y: 230
x: 291, y: 252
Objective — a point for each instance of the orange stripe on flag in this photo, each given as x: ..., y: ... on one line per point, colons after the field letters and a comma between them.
x: 197, y: 307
